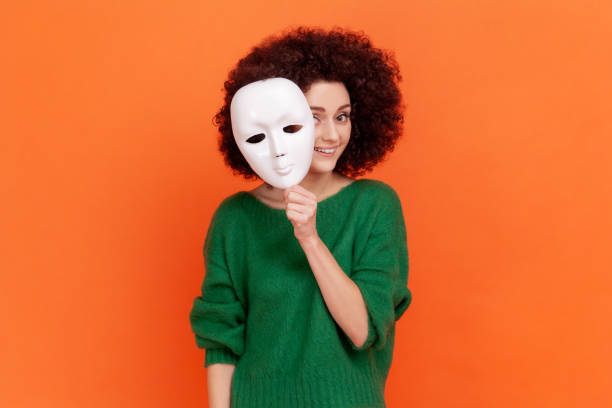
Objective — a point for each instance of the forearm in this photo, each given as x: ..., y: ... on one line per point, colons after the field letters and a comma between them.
x: 342, y: 296
x: 219, y: 379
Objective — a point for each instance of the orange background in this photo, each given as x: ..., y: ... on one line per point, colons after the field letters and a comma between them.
x: 110, y: 175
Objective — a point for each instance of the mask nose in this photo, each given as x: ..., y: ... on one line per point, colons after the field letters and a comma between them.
x: 277, y: 146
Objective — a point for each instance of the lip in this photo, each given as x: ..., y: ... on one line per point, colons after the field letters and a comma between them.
x: 283, y: 171
x: 326, y: 154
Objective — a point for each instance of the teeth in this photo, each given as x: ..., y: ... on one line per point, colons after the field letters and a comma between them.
x: 319, y: 149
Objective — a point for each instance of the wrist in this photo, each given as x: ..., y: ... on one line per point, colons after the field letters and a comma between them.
x: 310, y: 242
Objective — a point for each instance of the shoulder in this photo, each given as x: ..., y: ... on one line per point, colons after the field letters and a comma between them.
x: 233, y: 203
x: 377, y: 201
x: 375, y: 185
x: 376, y: 191
x: 231, y: 211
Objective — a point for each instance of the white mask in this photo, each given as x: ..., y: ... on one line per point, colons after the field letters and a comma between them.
x: 274, y: 130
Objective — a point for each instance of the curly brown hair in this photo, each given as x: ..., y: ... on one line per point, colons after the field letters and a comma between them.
x: 306, y: 55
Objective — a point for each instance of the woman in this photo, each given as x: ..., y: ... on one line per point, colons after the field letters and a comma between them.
x: 303, y: 286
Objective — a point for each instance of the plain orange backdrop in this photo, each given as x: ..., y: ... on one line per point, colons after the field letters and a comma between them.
x: 110, y: 174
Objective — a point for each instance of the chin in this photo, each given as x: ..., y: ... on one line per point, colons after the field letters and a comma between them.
x: 318, y: 168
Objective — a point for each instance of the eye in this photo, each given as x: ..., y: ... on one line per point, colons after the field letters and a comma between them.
x: 316, y: 118
x: 292, y: 128
x: 343, y: 117
x: 256, y: 138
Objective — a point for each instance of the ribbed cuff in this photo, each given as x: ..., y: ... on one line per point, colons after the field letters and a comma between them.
x: 369, y: 339
x: 337, y: 387
x: 219, y: 355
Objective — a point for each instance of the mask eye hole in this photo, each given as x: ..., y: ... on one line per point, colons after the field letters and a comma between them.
x: 292, y: 128
x: 256, y: 138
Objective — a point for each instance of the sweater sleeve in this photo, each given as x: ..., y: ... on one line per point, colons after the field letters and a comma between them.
x: 217, y: 317
x: 381, y: 273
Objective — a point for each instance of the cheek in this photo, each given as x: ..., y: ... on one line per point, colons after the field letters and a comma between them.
x: 346, y: 132
x: 255, y: 150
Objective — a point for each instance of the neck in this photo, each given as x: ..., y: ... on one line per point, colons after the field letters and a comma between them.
x: 318, y: 183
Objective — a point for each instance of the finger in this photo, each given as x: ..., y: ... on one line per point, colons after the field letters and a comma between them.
x: 295, y: 197
x: 302, y: 209
x: 301, y: 190
x: 296, y: 217
x: 291, y: 194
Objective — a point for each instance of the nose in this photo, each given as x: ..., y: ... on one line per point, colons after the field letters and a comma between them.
x: 277, y: 146
x: 330, y: 133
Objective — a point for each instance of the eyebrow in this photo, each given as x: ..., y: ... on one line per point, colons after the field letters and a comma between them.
x: 348, y: 105
x: 284, y: 117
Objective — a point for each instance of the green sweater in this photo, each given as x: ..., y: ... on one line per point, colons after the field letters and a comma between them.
x: 261, y: 308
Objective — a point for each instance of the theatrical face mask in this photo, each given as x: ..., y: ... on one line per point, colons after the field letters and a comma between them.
x: 274, y: 129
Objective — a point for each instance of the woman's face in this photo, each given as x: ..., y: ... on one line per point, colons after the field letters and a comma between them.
x: 331, y: 107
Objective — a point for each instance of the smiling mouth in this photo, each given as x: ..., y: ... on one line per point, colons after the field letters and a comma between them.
x: 326, y: 151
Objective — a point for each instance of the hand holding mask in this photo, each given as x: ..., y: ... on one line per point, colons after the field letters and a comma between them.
x: 274, y: 130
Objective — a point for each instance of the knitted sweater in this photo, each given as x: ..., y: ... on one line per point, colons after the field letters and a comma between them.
x: 261, y: 308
